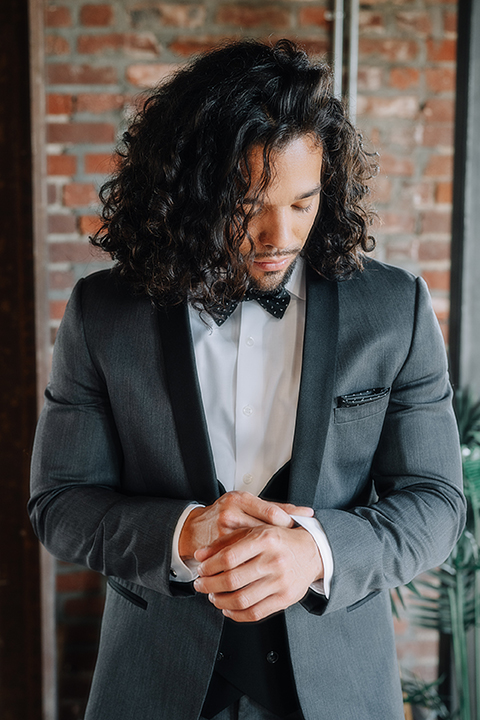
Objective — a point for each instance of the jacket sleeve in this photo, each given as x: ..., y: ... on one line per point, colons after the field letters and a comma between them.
x: 419, y: 511
x: 77, y: 506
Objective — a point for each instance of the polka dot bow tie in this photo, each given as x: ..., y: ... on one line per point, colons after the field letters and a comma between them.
x: 274, y: 303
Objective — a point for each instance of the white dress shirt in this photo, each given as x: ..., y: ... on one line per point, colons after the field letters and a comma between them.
x: 249, y: 373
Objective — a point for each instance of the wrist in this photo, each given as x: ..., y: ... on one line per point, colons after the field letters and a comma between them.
x: 186, y: 541
x: 314, y: 555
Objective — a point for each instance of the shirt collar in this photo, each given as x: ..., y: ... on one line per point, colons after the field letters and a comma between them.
x: 296, y: 284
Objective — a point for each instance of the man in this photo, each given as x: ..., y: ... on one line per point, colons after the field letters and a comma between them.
x: 172, y: 404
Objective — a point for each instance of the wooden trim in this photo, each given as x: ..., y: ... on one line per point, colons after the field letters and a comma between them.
x: 39, y: 176
x: 42, y: 334
x: 20, y: 655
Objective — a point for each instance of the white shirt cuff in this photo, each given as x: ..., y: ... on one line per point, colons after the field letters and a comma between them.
x: 182, y: 571
x: 313, y: 526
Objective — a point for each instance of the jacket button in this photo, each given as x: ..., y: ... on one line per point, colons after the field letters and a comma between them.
x: 272, y: 657
x: 220, y: 656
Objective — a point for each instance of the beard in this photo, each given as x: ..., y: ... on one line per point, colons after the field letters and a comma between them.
x: 271, y: 283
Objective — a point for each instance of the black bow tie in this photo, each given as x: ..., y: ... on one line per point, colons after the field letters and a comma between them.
x: 274, y: 303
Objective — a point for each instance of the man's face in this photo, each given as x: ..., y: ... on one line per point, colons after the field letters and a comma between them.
x: 286, y: 213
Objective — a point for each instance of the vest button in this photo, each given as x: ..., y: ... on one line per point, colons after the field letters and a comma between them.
x: 220, y: 656
x: 272, y: 657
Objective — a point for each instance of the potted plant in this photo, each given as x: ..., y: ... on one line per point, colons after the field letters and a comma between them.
x: 447, y: 598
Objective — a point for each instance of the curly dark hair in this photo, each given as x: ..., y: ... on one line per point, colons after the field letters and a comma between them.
x: 174, y: 214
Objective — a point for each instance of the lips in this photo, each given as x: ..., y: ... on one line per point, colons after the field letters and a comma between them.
x: 273, y: 264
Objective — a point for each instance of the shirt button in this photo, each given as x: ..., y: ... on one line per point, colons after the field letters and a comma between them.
x: 247, y: 410
x: 250, y: 341
x: 247, y: 478
x: 272, y: 657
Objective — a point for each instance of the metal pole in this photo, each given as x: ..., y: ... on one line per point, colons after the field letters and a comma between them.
x: 353, y: 61
x: 465, y: 283
x: 338, y: 16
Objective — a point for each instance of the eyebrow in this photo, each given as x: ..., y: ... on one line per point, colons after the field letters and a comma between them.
x: 310, y: 193
x: 316, y: 190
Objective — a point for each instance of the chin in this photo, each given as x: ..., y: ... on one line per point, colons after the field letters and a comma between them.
x: 268, y: 282
x: 271, y: 281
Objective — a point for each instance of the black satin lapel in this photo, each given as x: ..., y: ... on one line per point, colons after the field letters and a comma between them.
x: 185, y: 396
x: 316, y: 387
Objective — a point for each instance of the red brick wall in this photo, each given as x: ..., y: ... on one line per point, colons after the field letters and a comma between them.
x: 100, y: 56
x: 406, y: 108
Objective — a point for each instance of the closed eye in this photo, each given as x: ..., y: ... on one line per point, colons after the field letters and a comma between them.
x: 311, y: 195
x: 303, y: 209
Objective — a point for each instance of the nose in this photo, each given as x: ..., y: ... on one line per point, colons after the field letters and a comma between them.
x: 275, y: 231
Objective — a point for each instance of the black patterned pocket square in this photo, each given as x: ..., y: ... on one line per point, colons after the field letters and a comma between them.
x: 362, y: 397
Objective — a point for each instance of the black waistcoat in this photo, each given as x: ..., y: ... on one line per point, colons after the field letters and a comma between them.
x: 254, y: 658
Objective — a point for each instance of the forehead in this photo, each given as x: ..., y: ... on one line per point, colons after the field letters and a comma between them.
x: 295, y: 168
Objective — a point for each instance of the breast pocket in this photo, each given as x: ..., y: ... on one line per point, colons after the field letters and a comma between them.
x: 345, y: 414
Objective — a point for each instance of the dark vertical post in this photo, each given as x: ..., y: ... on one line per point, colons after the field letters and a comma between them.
x: 20, y: 666
x: 465, y: 275
x: 465, y: 284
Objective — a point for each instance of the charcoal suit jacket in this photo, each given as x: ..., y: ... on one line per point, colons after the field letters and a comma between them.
x: 122, y: 448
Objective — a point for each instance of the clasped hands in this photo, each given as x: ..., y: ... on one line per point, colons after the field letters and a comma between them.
x: 253, y: 561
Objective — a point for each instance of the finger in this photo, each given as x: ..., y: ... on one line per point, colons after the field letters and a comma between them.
x: 224, y: 556
x: 260, y: 611
x: 231, y: 580
x: 245, y: 598
x: 268, y: 512
x: 203, y: 553
x: 209, y: 550
x: 292, y: 509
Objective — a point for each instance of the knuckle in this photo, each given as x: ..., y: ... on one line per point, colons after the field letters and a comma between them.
x: 226, y: 516
x: 232, y: 582
x: 270, y: 539
x: 235, y: 497
x: 226, y: 500
x: 272, y: 513
x: 242, y: 601
x: 230, y: 557
x: 255, y: 614
x: 278, y: 563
